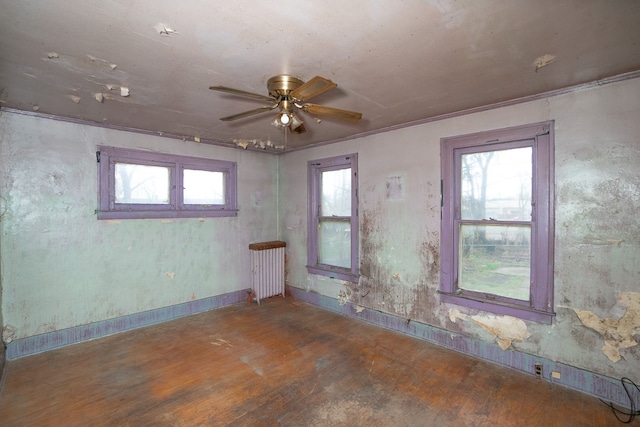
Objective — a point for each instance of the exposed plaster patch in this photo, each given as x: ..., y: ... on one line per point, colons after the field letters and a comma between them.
x: 543, y: 61
x: 164, y: 29
x: 98, y: 97
x: 344, y: 296
x: 74, y: 98
x: 455, y: 314
x: 505, y: 329
x: 196, y: 138
x: 394, y: 188
x: 8, y: 332
x: 51, y: 55
x: 170, y: 274
x: 36, y: 107
x: 124, y: 91
x: 618, y: 333
x: 257, y: 143
x: 102, y: 61
x: 359, y: 308
x: 242, y: 143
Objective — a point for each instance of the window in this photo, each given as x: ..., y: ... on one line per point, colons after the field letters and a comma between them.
x: 497, y: 221
x: 333, y: 217
x: 142, y: 184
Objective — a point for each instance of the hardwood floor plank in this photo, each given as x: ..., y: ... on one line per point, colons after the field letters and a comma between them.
x: 283, y: 362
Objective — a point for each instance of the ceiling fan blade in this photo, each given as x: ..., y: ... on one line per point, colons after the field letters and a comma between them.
x: 249, y: 113
x: 335, y: 113
x: 313, y: 87
x: 242, y: 93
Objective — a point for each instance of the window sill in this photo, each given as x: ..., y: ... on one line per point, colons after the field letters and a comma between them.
x: 521, y: 312
x: 333, y: 274
x: 165, y: 214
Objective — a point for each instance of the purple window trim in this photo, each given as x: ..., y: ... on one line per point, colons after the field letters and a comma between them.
x: 540, y: 136
x: 314, y: 171
x: 108, y: 209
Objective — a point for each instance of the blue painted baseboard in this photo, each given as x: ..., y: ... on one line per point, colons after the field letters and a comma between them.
x: 56, y: 339
x: 605, y: 388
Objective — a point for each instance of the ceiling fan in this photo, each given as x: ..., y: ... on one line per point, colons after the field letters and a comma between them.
x: 288, y: 93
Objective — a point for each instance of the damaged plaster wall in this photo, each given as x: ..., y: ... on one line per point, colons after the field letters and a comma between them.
x: 618, y: 332
x: 61, y: 267
x: 597, y: 242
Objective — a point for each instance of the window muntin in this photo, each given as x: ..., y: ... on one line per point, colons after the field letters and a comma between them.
x: 141, y: 184
x: 497, y: 221
x: 333, y: 223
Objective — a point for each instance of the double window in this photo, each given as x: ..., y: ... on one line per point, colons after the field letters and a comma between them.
x: 142, y: 184
x: 333, y: 217
x: 497, y: 221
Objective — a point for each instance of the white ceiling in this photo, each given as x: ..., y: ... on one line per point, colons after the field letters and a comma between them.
x: 394, y: 61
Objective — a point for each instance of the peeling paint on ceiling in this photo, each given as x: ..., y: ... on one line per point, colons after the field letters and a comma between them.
x: 411, y: 62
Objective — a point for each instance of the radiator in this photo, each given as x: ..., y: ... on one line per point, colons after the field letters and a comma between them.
x: 267, y: 269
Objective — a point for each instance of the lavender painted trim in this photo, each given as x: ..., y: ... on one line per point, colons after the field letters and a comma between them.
x: 56, y: 339
x: 590, y: 383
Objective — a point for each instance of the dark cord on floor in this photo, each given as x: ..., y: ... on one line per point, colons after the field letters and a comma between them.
x: 632, y: 408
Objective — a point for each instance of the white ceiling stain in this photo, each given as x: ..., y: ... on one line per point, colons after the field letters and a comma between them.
x: 410, y: 62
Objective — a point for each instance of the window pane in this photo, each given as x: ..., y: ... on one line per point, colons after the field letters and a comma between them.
x: 203, y: 187
x: 336, y: 193
x: 334, y: 242
x: 497, y: 185
x: 142, y: 184
x: 495, y: 259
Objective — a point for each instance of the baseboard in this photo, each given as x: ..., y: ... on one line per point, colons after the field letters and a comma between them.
x: 602, y: 387
x: 64, y: 337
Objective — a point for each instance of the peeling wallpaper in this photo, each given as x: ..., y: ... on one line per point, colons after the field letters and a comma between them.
x: 597, y: 242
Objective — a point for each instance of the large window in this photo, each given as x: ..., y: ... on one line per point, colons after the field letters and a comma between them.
x: 333, y: 217
x: 142, y: 184
x: 497, y: 221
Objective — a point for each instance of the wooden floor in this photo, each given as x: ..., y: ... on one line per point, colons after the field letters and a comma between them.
x: 281, y: 363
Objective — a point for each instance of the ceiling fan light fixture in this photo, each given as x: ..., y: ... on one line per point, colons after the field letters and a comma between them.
x: 284, y: 118
x: 295, y: 122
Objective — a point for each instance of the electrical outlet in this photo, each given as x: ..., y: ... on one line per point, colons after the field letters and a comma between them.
x: 538, y: 369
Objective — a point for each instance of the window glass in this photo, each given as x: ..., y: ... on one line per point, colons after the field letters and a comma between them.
x: 334, y: 241
x: 497, y: 184
x: 495, y: 259
x: 141, y: 184
x: 336, y: 193
x: 203, y: 187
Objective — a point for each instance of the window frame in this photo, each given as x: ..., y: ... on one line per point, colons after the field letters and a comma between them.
x: 107, y: 157
x: 315, y: 169
x: 540, y: 136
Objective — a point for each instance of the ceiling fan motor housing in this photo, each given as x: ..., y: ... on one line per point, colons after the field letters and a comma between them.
x: 282, y: 85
